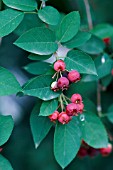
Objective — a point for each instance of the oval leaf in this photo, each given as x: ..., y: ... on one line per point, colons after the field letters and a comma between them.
x: 8, y: 83
x: 6, y: 127
x: 38, y: 41
x: 48, y: 107
x: 68, y: 27
x: 79, y: 39
x: 40, y: 126
x: 49, y: 15
x: 9, y: 20
x: 40, y: 87
x: 5, y: 164
x: 93, y: 131
x: 83, y: 63
x: 67, y: 141
x: 24, y: 5
x: 37, y: 68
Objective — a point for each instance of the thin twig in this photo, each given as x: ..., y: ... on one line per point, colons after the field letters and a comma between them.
x: 99, y: 107
x: 89, y: 18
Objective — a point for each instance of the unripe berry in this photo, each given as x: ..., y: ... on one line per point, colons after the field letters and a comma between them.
x: 80, y: 107
x: 64, y: 118
x: 63, y: 83
x: 59, y: 66
x: 82, y: 152
x: 74, y: 76
x: 54, y: 116
x: 106, y: 151
x: 54, y: 86
x: 76, y: 98
x: 72, y: 109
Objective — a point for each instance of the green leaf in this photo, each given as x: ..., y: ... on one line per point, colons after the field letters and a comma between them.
x: 40, y: 87
x: 49, y: 15
x: 89, y: 106
x: 106, y: 80
x: 93, y: 46
x: 8, y: 83
x: 93, y: 131
x: 24, y: 5
x: 83, y: 63
x: 6, y: 127
x: 5, y: 164
x: 38, y: 57
x: 48, y: 107
x: 67, y: 140
x: 68, y: 27
x: 40, y: 126
x: 110, y: 113
x: 79, y: 39
x: 9, y: 20
x: 89, y: 78
x: 37, y: 68
x: 103, y: 30
x: 38, y: 41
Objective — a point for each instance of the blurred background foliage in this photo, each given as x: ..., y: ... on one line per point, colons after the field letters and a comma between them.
x: 20, y: 149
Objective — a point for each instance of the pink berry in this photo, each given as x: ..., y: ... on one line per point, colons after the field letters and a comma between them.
x: 72, y: 109
x: 64, y: 118
x: 54, y: 86
x: 76, y: 98
x: 80, y: 107
x: 82, y: 152
x: 59, y: 66
x: 106, y: 151
x: 74, y: 76
x: 1, y: 149
x: 63, y: 83
x: 54, y: 116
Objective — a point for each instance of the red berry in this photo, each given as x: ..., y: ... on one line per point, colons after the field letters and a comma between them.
x: 82, y: 152
x: 72, y: 109
x: 54, y: 116
x: 59, y: 66
x: 74, y: 76
x: 106, y: 151
x: 80, y: 107
x: 63, y: 118
x: 112, y: 72
x: 106, y: 40
x: 76, y: 98
x: 54, y: 86
x: 93, y: 152
x: 63, y: 83
x: 1, y: 149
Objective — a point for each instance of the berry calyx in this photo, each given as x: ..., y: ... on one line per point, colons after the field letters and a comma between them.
x: 54, y: 86
x: 80, y: 107
x: 106, y: 151
x: 54, y: 116
x: 74, y: 76
x: 59, y: 66
x: 63, y: 83
x: 72, y: 109
x: 76, y: 98
x: 63, y: 118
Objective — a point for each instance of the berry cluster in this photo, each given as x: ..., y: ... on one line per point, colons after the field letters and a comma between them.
x: 86, y: 150
x: 75, y: 105
x: 64, y: 77
x: 72, y: 109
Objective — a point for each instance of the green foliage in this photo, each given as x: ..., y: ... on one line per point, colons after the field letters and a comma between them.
x: 110, y: 113
x: 6, y: 127
x: 80, y: 61
x: 48, y: 107
x: 68, y: 27
x: 93, y: 126
x: 24, y: 5
x: 4, y: 164
x: 40, y: 126
x: 37, y: 68
x: 38, y: 41
x: 38, y: 57
x: 40, y: 87
x: 9, y: 20
x: 8, y: 83
x: 67, y: 140
x: 49, y: 15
